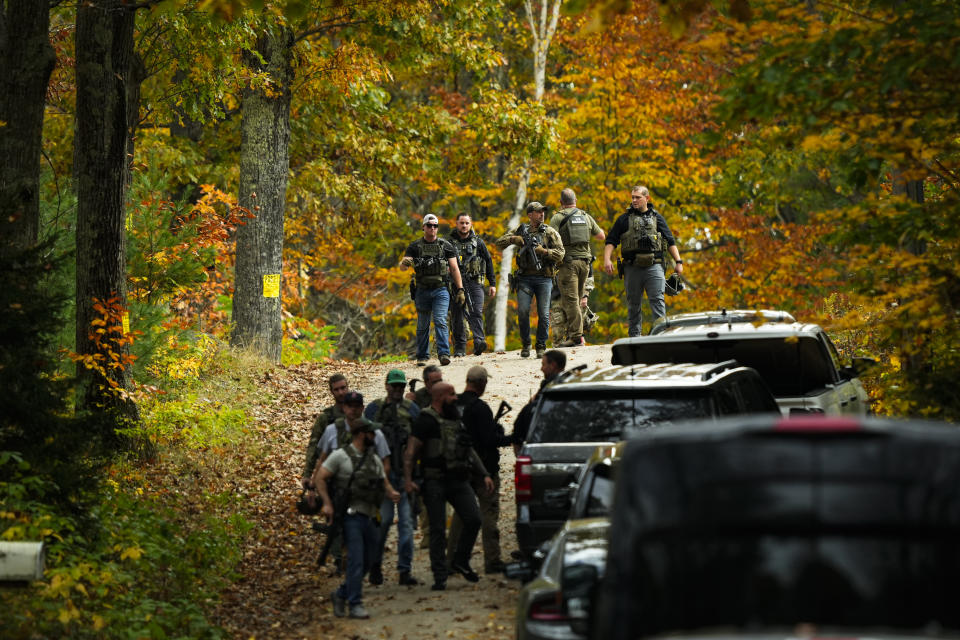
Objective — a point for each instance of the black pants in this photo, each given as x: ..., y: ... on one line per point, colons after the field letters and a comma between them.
x: 460, y: 495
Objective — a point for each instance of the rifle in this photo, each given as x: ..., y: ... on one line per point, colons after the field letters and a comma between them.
x: 468, y: 307
x: 530, y: 244
x: 502, y: 410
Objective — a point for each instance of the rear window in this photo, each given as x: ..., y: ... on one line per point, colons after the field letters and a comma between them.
x: 601, y: 417
x: 790, y: 368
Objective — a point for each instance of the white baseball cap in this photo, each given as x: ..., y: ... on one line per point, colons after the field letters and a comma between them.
x: 430, y: 218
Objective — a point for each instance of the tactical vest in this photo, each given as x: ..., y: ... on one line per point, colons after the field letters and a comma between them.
x: 525, y: 260
x: 575, y: 228
x: 641, y: 241
x: 431, y: 267
x: 452, y: 447
x: 343, y: 433
x: 395, y: 421
x: 468, y: 254
x: 367, y: 486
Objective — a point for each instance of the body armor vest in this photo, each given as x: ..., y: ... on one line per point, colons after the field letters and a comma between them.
x: 468, y: 254
x: 395, y: 421
x: 343, y: 433
x: 453, y: 447
x: 575, y: 228
x: 431, y: 267
x: 524, y: 260
x: 641, y: 241
x: 367, y: 486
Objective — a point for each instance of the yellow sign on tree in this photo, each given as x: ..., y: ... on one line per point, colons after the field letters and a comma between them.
x: 271, y: 285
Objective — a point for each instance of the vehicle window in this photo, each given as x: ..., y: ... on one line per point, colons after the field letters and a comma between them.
x: 600, y: 500
x: 832, y: 352
x: 593, y: 416
x: 789, y: 367
x: 756, y: 398
x: 727, y: 402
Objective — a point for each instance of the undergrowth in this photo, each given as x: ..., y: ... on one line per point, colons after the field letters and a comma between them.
x: 157, y: 540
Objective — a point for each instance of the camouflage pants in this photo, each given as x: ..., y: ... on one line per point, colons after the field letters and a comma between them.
x: 489, y: 529
x: 571, y: 278
x: 557, y: 314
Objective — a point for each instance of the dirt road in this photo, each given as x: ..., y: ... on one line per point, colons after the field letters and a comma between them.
x: 464, y: 610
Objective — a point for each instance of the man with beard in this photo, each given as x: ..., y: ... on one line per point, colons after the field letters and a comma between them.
x: 338, y: 389
x: 552, y: 364
x: 356, y: 465
x: 448, y: 460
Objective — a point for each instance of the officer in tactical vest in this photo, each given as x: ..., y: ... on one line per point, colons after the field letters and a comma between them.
x: 338, y: 388
x: 575, y: 227
x: 338, y: 433
x: 358, y: 466
x: 434, y: 263
x: 643, y: 236
x: 431, y: 375
x: 558, y: 322
x: 475, y: 262
x: 442, y: 444
x: 487, y: 436
x: 539, y: 251
x: 395, y: 415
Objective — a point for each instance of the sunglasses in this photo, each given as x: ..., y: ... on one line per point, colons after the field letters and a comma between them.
x: 430, y: 224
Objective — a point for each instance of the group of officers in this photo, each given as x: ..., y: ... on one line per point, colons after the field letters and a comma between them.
x: 550, y: 257
x: 435, y: 446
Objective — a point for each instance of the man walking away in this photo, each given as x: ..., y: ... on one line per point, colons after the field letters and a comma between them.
x: 575, y: 227
x: 487, y: 437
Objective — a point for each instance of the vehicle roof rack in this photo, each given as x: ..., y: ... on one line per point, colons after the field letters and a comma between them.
x: 563, y: 375
x: 719, y: 368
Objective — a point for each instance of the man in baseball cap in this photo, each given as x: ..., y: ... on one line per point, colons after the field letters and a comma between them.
x: 435, y: 266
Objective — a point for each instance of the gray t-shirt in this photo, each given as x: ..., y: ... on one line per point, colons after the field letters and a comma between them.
x: 341, y: 466
x: 328, y: 442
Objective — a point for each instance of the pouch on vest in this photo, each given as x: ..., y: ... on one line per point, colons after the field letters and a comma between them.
x: 643, y: 259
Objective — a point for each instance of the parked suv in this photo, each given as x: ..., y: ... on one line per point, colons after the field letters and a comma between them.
x: 541, y: 614
x: 797, y: 360
x: 583, y: 409
x: 842, y: 526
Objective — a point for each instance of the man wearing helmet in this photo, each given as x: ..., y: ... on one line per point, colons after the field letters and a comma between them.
x: 643, y: 235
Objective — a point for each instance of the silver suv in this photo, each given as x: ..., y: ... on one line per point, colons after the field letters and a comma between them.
x: 583, y: 409
x: 797, y: 360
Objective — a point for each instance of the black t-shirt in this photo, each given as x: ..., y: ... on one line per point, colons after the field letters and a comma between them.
x: 424, y: 428
x: 486, y: 434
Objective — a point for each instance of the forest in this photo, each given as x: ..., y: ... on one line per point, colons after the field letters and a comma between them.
x: 195, y: 191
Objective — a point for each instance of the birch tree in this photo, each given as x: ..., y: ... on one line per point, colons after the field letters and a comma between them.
x: 542, y: 20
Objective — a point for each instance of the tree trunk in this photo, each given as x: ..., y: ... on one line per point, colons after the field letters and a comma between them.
x: 104, y: 45
x: 264, y: 165
x: 27, y: 59
x: 543, y: 26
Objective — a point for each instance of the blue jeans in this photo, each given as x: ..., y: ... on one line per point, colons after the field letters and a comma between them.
x: 361, y: 537
x: 432, y: 303
x: 404, y: 527
x: 527, y: 288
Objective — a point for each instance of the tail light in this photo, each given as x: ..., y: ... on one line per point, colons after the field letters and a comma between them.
x: 812, y: 423
x: 548, y: 610
x: 522, y: 479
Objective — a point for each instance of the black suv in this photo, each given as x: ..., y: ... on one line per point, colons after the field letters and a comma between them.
x: 583, y: 409
x: 843, y: 525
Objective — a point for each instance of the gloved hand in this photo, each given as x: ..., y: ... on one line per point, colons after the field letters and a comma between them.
x: 460, y: 297
x: 517, y: 240
x: 541, y: 251
x: 407, y: 261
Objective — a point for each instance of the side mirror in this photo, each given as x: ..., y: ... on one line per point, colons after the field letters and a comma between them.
x: 577, y: 585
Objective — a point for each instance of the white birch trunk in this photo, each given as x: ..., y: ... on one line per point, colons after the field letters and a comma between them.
x: 542, y: 27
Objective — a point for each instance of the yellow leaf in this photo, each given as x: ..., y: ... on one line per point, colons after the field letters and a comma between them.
x: 98, y: 622
x: 133, y: 553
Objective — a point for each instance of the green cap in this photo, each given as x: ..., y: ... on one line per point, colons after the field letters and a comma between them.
x: 395, y: 376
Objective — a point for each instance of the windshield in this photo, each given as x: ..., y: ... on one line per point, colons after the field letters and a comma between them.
x: 789, y: 367
x: 607, y: 417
